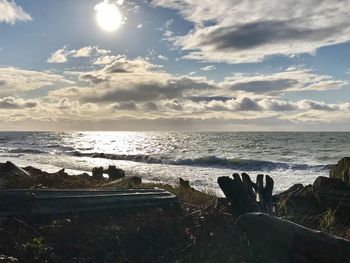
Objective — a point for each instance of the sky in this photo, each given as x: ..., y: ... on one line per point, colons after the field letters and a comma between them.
x: 215, y: 65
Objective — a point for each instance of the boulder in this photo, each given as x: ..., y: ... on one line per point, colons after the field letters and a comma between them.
x: 298, y: 200
x: 12, y: 176
x: 136, y: 180
x: 341, y: 170
x: 97, y: 173
x: 115, y: 173
x: 184, y: 183
x: 333, y: 194
x: 273, y: 239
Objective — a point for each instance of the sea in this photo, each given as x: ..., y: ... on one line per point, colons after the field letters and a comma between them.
x: 200, y: 157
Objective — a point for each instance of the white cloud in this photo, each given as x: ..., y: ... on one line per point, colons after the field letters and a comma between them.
x: 162, y: 57
x: 62, y: 55
x: 59, y: 56
x: 208, y: 68
x: 14, y: 80
x: 249, y: 31
x: 10, y: 12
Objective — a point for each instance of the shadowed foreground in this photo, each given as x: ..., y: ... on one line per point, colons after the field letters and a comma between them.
x: 194, y: 231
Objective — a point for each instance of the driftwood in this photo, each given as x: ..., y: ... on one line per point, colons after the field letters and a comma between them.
x: 272, y: 239
x: 246, y: 196
x: 36, y: 202
x: 341, y: 170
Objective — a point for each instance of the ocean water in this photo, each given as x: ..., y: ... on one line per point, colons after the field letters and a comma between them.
x: 201, y: 157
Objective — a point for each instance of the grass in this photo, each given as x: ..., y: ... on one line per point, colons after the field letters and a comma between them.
x: 327, y: 221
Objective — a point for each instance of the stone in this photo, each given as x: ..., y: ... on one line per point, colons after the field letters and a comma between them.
x: 333, y: 194
x: 97, y: 173
x: 115, y: 173
x: 272, y: 239
x: 184, y: 183
x: 341, y: 170
x: 136, y: 180
x: 12, y: 176
x: 298, y: 200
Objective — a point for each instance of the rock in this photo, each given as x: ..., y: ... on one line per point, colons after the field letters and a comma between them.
x: 12, y: 176
x: 97, y: 173
x: 333, y: 194
x: 115, y: 173
x: 184, y: 183
x: 298, y: 200
x: 272, y: 239
x: 136, y: 180
x: 62, y: 172
x: 341, y: 170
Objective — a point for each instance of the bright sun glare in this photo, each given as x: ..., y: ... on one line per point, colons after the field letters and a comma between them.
x: 108, y: 16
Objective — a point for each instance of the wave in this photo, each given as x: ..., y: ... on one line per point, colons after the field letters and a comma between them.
x: 26, y: 150
x: 208, y: 161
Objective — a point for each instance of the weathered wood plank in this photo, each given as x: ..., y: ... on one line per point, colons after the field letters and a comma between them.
x: 41, y: 202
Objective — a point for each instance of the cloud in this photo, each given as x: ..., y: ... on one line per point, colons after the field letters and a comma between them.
x: 134, y: 87
x: 126, y: 105
x: 292, y: 80
x: 208, y: 68
x: 11, y: 13
x: 120, y: 87
x: 13, y: 103
x: 14, y: 80
x: 59, y: 56
x: 249, y: 31
x: 62, y: 55
x: 162, y: 57
x: 150, y: 106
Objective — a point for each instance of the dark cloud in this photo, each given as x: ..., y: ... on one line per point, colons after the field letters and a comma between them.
x: 260, y: 33
x: 265, y: 86
x: 209, y: 98
x: 247, y: 104
x: 150, y: 106
x: 3, y: 83
x: 145, y: 91
x: 317, y: 105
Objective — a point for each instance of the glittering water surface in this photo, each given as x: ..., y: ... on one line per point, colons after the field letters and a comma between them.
x: 200, y: 157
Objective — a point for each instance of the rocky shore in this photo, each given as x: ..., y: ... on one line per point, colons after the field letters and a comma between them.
x: 203, y: 228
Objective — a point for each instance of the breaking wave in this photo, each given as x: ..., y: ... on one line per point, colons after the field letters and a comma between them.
x: 208, y: 161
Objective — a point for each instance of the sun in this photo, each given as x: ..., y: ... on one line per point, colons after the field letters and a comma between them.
x: 108, y: 16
